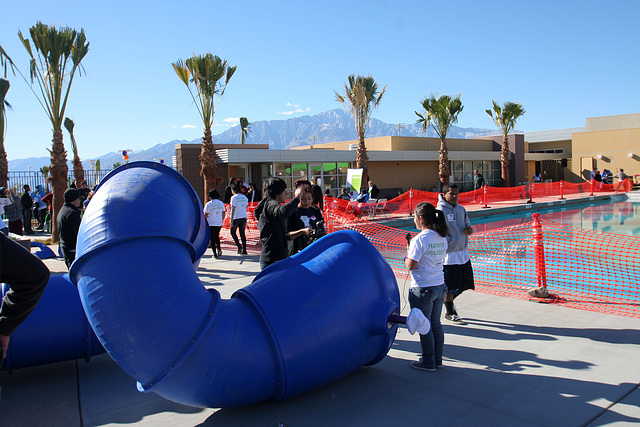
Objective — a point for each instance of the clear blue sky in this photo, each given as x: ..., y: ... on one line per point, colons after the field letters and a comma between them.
x: 563, y: 60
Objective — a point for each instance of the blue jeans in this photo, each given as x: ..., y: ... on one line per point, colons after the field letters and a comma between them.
x: 430, y: 303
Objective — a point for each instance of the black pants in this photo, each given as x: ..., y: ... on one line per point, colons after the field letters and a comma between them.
x: 26, y: 276
x: 69, y: 256
x: 240, y: 224
x: 215, y: 237
x: 26, y: 221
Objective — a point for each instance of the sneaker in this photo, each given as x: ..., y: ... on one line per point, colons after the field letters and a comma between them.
x: 219, y: 252
x: 454, y: 318
x: 540, y: 292
x: 438, y: 364
x: 416, y: 364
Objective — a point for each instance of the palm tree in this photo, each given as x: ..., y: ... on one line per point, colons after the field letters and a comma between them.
x: 505, y: 118
x: 245, y: 128
x: 210, y: 75
x: 4, y: 164
x: 441, y: 114
x: 78, y: 170
x: 53, y: 65
x: 362, y: 97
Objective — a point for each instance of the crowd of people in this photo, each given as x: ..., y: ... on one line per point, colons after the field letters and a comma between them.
x: 21, y: 211
x: 284, y: 229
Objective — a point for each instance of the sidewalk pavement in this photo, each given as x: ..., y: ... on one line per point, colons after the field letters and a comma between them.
x: 515, y: 363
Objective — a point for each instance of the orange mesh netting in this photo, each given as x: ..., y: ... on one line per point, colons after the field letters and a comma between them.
x: 584, y: 269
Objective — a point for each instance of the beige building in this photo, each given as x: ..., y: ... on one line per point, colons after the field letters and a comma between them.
x: 397, y: 163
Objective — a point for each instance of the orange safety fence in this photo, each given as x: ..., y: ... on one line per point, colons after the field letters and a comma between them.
x: 404, y: 204
x: 582, y: 269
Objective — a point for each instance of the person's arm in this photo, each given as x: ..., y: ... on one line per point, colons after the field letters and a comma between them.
x: 295, y: 234
x: 410, y: 263
x: 468, y: 230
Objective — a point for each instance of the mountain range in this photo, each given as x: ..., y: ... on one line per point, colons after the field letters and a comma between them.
x: 329, y: 126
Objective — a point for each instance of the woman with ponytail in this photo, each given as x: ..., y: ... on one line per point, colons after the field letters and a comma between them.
x: 424, y: 261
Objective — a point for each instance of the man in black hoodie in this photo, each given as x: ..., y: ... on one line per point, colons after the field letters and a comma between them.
x: 272, y: 216
x: 27, y: 203
x: 69, y: 224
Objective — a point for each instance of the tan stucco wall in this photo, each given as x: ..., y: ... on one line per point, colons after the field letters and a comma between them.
x: 407, y: 143
x: 419, y: 175
x: 613, y: 145
x: 622, y: 121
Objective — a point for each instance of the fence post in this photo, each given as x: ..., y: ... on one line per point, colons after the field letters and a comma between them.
x: 591, y: 187
x: 561, y: 189
x: 484, y: 196
x: 530, y: 192
x: 410, y: 201
x: 538, y: 248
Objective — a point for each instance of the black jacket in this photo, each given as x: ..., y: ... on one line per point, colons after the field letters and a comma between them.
x: 68, y: 225
x: 272, y: 217
x: 26, y: 201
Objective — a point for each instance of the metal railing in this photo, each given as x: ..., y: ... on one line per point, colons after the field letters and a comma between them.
x: 32, y: 178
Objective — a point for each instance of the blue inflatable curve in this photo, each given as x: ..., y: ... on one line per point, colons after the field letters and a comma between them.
x: 303, y: 322
x: 43, y: 251
x: 57, y: 330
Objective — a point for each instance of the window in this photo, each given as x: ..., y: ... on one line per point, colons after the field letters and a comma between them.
x: 462, y: 172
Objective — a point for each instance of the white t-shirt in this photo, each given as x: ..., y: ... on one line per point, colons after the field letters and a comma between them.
x: 215, y: 209
x: 429, y: 249
x: 239, y: 202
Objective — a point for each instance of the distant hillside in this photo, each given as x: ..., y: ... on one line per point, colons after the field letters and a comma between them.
x: 330, y: 126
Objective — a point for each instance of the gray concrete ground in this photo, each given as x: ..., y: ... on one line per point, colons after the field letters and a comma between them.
x: 515, y: 363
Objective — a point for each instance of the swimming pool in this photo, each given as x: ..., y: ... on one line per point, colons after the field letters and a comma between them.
x: 591, y: 253
x: 619, y: 217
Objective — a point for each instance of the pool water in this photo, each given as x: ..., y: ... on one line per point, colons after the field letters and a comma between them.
x: 620, y: 217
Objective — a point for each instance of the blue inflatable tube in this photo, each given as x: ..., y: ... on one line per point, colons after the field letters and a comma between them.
x: 303, y: 322
x: 56, y: 330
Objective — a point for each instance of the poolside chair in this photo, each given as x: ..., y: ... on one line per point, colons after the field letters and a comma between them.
x: 380, y: 207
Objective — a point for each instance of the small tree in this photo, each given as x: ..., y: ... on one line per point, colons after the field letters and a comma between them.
x: 245, y: 128
x: 78, y: 170
x: 210, y: 75
x: 361, y: 96
x: 505, y: 118
x: 4, y: 164
x: 441, y: 114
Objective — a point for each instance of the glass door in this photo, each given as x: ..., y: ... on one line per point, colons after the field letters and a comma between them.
x: 315, y: 174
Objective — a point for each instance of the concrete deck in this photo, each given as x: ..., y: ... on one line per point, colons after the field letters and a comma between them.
x: 514, y: 363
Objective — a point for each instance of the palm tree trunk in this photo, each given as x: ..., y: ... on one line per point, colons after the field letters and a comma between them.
x: 78, y: 170
x: 4, y: 166
x: 208, y: 163
x: 505, y: 158
x: 362, y: 160
x: 443, y: 164
x: 58, y: 172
